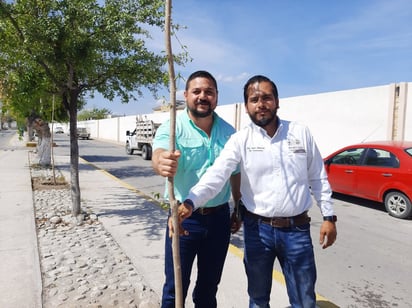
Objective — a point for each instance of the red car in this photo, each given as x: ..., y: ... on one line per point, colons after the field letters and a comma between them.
x: 379, y: 171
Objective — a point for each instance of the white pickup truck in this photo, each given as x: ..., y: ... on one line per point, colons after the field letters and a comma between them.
x: 83, y: 133
x: 141, y: 138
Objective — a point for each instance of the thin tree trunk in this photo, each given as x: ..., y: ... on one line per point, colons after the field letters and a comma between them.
x: 52, y: 141
x: 173, y: 202
x: 74, y: 157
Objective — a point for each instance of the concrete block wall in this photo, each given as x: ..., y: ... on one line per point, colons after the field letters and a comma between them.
x: 335, y: 119
x: 340, y: 118
x: 408, y: 115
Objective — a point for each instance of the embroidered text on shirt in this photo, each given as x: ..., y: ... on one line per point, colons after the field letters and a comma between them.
x: 255, y: 149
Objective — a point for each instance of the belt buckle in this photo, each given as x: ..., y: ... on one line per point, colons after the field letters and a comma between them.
x: 273, y: 222
x: 202, y: 211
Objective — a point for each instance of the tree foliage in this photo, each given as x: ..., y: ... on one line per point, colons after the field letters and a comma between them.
x: 93, y: 114
x: 69, y: 47
x: 80, y: 44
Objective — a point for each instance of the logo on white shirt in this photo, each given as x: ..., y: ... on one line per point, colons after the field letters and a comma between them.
x: 295, y: 146
x: 255, y: 149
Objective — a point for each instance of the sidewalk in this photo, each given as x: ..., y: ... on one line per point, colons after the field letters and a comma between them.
x: 135, y: 223
x: 20, y: 277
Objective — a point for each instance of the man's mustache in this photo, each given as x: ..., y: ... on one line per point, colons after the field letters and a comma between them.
x: 203, y: 102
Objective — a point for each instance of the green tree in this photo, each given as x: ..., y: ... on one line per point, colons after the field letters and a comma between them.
x: 81, y: 46
x: 93, y: 114
x: 26, y: 97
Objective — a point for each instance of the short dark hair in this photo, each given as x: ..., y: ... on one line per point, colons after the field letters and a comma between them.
x: 202, y: 74
x: 259, y: 78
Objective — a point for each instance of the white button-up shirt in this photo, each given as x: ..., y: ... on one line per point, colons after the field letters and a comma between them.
x: 279, y: 174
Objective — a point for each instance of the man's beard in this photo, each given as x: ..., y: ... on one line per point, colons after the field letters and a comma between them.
x: 264, y: 121
x: 198, y: 114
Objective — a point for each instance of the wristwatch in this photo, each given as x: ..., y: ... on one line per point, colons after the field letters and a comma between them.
x: 332, y: 218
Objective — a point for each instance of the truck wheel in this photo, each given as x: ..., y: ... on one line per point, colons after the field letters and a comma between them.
x: 146, y: 152
x: 129, y: 151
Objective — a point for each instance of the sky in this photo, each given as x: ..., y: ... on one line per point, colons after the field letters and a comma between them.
x: 305, y: 47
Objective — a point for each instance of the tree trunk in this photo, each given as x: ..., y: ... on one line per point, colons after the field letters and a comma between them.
x: 30, y: 133
x: 74, y: 157
x: 44, y: 141
x: 44, y: 151
x: 170, y: 181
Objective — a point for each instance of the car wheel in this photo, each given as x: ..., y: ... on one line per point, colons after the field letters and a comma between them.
x: 146, y: 152
x: 398, y: 204
x: 129, y: 151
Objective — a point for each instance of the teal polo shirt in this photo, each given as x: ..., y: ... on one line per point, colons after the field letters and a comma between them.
x: 198, y: 152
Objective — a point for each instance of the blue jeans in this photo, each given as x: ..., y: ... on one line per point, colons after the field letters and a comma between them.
x: 208, y: 240
x: 294, y: 250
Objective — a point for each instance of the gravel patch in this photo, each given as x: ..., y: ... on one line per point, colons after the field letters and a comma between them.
x: 81, y: 264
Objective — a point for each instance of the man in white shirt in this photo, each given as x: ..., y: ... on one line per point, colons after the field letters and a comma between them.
x: 281, y: 169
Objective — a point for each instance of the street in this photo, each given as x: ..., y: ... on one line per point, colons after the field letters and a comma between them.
x: 5, y: 136
x: 369, y: 265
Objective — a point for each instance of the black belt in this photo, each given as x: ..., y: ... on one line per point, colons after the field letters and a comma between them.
x: 209, y: 210
x: 282, y: 222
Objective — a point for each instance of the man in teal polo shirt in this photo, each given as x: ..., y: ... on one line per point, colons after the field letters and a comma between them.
x: 200, y: 136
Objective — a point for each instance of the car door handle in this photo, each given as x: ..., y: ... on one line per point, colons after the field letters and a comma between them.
x: 348, y: 171
x: 387, y: 174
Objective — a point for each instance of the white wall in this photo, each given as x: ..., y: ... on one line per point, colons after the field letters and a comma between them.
x: 408, y: 113
x: 339, y: 118
x: 335, y: 119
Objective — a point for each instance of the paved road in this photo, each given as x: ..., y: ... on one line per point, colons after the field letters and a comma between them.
x: 369, y: 266
x: 5, y: 136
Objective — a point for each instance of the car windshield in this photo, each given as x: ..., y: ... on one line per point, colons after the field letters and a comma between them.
x: 409, y: 151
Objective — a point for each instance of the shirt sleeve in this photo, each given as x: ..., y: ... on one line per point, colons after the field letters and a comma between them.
x: 318, y: 179
x: 162, y: 137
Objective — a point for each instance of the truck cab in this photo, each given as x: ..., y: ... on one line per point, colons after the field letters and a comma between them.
x: 141, y: 138
x: 83, y: 133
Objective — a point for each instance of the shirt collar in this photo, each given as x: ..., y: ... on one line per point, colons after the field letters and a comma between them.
x: 214, y: 114
x: 263, y: 131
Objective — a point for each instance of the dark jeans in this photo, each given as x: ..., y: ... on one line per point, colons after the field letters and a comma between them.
x: 208, y: 240
x: 294, y: 250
